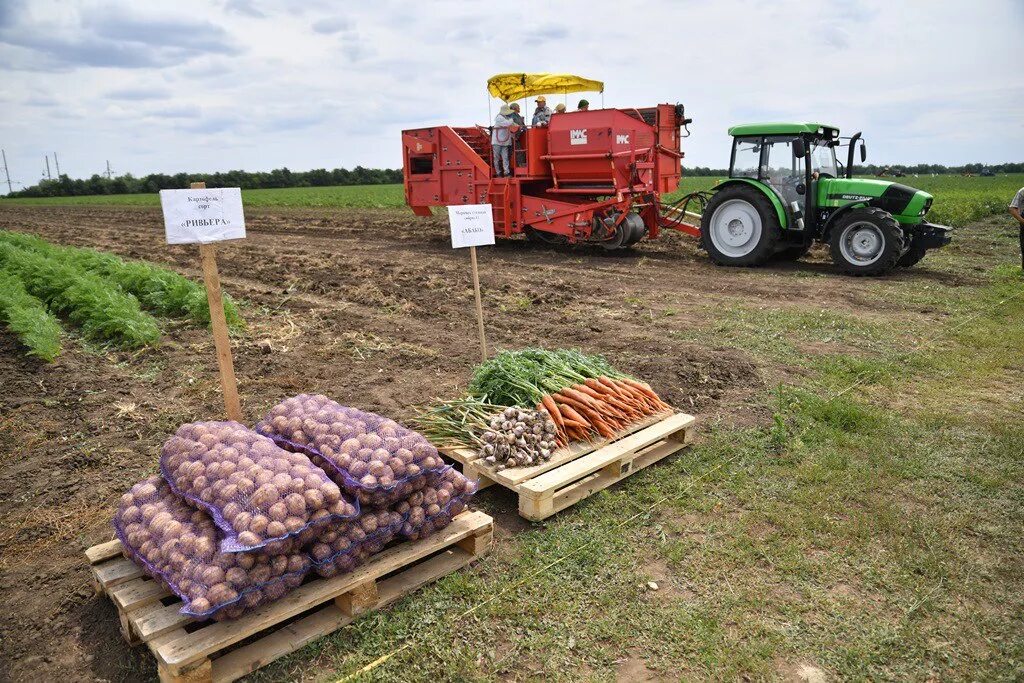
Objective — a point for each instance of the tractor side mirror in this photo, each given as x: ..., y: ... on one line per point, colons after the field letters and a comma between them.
x: 801, y: 188
x: 799, y: 149
x: 863, y: 152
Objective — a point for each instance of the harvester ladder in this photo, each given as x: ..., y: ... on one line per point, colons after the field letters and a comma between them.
x: 500, y: 205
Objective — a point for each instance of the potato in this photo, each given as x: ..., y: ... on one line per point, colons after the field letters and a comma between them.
x: 278, y: 511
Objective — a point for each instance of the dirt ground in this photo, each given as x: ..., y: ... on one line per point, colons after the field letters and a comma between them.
x: 372, y: 308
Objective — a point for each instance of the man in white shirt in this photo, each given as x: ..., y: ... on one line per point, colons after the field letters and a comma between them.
x: 1016, y: 206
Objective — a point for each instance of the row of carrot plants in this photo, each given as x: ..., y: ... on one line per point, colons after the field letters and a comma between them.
x: 109, y: 299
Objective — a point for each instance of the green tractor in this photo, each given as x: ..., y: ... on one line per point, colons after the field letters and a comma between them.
x: 786, y: 190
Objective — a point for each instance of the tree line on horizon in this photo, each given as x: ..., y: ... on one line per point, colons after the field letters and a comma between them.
x: 65, y: 186
x: 909, y: 169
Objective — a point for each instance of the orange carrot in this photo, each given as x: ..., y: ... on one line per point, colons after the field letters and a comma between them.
x: 642, y: 387
x: 581, y: 397
x: 552, y: 409
x: 570, y: 413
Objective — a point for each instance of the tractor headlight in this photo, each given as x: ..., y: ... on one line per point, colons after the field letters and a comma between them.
x: 927, y: 206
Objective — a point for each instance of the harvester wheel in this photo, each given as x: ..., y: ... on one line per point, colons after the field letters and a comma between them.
x: 546, y: 238
x: 866, y: 241
x: 739, y: 227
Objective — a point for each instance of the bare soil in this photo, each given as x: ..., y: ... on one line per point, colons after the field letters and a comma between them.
x: 372, y: 308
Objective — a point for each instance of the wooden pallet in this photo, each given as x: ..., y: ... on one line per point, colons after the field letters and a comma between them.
x: 581, y: 469
x: 190, y: 651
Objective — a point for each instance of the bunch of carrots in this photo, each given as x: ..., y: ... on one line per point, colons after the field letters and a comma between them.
x: 603, y: 405
x: 584, y: 394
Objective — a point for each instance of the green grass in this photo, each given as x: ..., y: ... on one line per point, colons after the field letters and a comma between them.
x: 162, y: 291
x: 958, y: 200
x: 101, y: 309
x: 345, y: 196
x: 27, y: 317
x: 873, y: 534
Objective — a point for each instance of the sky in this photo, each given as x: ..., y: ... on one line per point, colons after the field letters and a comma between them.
x: 225, y: 84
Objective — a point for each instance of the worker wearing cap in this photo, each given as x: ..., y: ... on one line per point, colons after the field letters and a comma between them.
x: 559, y: 108
x: 1016, y: 207
x: 583, y: 106
x: 516, y: 116
x: 541, y: 115
x: 501, y: 140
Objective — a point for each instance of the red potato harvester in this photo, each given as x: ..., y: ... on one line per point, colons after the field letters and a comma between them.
x: 588, y: 177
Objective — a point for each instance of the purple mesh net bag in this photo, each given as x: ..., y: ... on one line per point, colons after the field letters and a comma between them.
x: 433, y: 507
x: 258, y: 494
x: 372, y: 457
x: 346, y: 545
x: 176, y: 544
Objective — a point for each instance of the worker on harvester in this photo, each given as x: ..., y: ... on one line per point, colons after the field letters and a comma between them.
x: 501, y: 140
x: 559, y: 108
x: 542, y: 114
x: 583, y: 106
x: 516, y: 116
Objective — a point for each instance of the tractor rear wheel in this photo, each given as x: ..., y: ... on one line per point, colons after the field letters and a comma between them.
x: 866, y: 241
x: 739, y: 227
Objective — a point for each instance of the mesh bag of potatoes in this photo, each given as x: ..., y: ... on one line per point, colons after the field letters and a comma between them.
x: 433, y: 507
x: 259, y: 495
x: 176, y: 544
x: 372, y: 457
x: 345, y: 545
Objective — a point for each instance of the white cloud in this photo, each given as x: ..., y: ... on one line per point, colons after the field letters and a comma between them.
x: 256, y: 84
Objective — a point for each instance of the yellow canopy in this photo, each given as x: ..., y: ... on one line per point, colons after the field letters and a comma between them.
x: 510, y: 87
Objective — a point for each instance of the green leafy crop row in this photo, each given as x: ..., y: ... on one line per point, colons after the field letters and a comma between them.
x: 27, y: 317
x: 159, y: 290
x: 99, y: 307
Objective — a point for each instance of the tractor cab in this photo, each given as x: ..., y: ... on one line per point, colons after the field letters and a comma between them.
x: 787, y: 189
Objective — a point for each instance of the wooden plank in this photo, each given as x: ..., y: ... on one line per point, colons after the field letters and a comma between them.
x: 150, y: 622
x: 478, y: 545
x: 218, y: 635
x: 116, y: 571
x: 592, y: 462
x: 198, y: 672
x: 300, y: 633
x: 358, y: 600
x: 134, y: 594
x: 537, y: 509
x: 514, y: 476
x: 103, y: 551
x: 284, y: 641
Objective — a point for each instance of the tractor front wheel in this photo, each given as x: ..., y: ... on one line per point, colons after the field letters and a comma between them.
x: 739, y: 227
x: 913, y: 255
x: 866, y: 241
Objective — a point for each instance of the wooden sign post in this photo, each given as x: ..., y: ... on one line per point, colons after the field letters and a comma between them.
x: 472, y: 225
x: 479, y: 305
x: 208, y: 219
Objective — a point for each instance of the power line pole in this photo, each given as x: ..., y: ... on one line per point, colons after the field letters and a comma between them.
x: 108, y: 169
x: 7, y: 172
x: 57, y: 164
x: 47, y: 157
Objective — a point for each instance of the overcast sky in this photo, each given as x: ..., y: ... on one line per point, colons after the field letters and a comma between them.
x: 216, y: 85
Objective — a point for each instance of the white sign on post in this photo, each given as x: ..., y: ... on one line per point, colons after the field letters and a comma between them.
x: 203, y: 216
x: 472, y: 225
